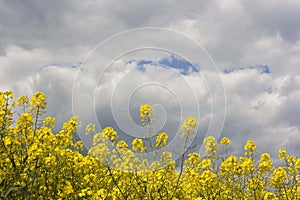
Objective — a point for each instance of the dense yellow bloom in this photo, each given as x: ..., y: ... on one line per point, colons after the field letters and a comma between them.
x: 50, y: 121
x: 122, y: 144
x: 210, y: 145
x: 188, y: 127
x: 101, y: 194
x: 279, y: 176
x: 100, y: 151
x: 9, y: 94
x: 110, y: 133
x: 230, y: 166
x: 270, y: 196
x: 161, y: 139
x: 38, y: 100
x: 36, y: 163
x: 2, y: 99
x: 145, y: 111
x: 193, y: 159
x: 250, y: 148
x: 225, y: 140
x: 282, y: 154
x: 25, y: 121
x: 206, y: 163
x: 146, y: 114
x: 247, y: 165
x: 265, y: 162
x: 138, y: 145
x: 23, y: 100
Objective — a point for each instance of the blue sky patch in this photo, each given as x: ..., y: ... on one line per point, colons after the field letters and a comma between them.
x: 263, y: 69
x: 184, y: 67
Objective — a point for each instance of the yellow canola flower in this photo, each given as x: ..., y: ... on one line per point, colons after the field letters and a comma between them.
x: 38, y: 100
x: 36, y: 163
x: 101, y: 194
x: 25, y: 121
x: 225, y: 140
x: 146, y: 114
x: 188, y: 126
x: 270, y: 196
x: 279, y: 176
x: 67, y: 189
x: 194, y: 159
x: 210, y: 144
x: 206, y: 163
x: 49, y: 121
x: 229, y: 166
x: 9, y: 94
x: 282, y: 154
x: 145, y: 111
x: 110, y: 133
x: 22, y: 100
x: 265, y: 162
x: 250, y: 148
x: 166, y: 157
x: 138, y: 145
x: 161, y: 139
x: 122, y: 144
x: 7, y: 141
x: 2, y: 98
x: 247, y: 165
x: 90, y: 128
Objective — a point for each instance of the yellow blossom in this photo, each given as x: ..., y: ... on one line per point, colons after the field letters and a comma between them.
x: 49, y: 121
x: 146, y: 114
x: 38, y: 100
x: 122, y: 144
x: 188, y: 127
x: 110, y: 133
x: 250, y: 148
x: 138, y: 145
x: 161, y: 139
x: 22, y: 100
x: 210, y: 145
x: 38, y: 163
x: 225, y: 140
x: 282, y: 154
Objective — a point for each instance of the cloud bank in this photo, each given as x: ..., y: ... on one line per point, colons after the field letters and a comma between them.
x: 255, y: 45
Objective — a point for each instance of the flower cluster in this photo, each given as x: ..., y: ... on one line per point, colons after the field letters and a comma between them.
x: 210, y: 144
x: 250, y: 148
x: 138, y: 145
x: 38, y: 103
x: 110, y: 133
x: 146, y: 114
x: 161, y: 139
x: 188, y: 126
x: 225, y: 140
x: 38, y: 163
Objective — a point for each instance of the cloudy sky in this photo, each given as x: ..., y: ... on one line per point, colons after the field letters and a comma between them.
x: 235, y: 65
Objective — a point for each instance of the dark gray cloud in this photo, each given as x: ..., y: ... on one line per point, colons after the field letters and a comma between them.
x: 275, y: 17
x: 31, y: 24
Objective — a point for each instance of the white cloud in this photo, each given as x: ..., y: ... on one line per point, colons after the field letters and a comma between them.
x: 262, y: 107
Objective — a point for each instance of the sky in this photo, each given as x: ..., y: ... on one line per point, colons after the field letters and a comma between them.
x: 235, y: 65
